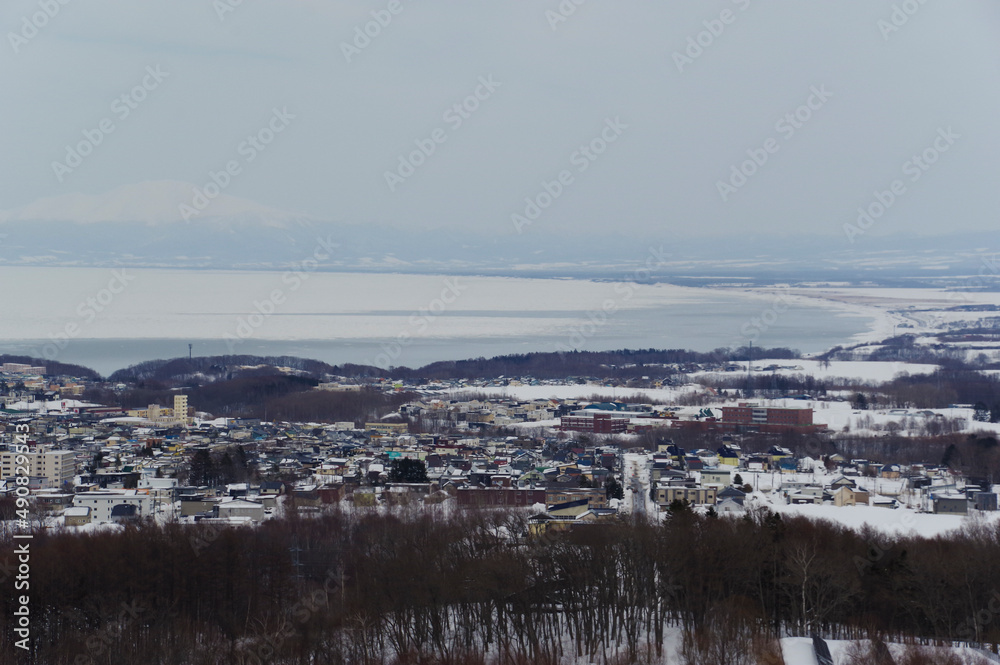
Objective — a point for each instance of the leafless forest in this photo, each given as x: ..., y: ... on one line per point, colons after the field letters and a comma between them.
x: 428, y: 587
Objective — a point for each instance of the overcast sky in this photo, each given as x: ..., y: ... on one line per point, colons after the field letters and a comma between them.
x: 672, y: 119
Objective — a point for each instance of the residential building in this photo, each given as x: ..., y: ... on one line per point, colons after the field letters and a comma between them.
x: 474, y: 497
x: 596, y: 496
x: 55, y: 467
x: 19, y: 368
x: 240, y: 508
x: 693, y: 495
x: 732, y: 494
x: 951, y: 503
x: 597, y: 423
x: 848, y: 496
x: 102, y: 503
x: 76, y: 516
x: 750, y: 414
x: 387, y: 429
x: 729, y: 507
x: 178, y: 415
x: 985, y: 501
x: 716, y: 477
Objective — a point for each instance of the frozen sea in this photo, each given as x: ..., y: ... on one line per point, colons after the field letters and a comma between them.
x: 110, y: 318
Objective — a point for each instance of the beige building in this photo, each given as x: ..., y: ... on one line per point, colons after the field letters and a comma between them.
x: 693, y: 495
x: 848, y: 496
x: 387, y: 428
x: 178, y: 415
x: 18, y: 368
x: 596, y: 496
x: 240, y: 508
x: 76, y: 516
x: 54, y: 466
x: 716, y: 478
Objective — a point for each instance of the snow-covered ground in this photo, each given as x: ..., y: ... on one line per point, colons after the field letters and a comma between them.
x: 845, y: 369
x: 583, y: 391
x: 799, y: 651
x: 907, y: 519
x: 62, y: 406
x: 895, y: 310
x: 900, y: 521
x: 837, y: 415
x: 840, y: 414
x: 636, y: 482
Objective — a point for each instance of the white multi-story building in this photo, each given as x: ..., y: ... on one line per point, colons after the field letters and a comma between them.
x: 54, y: 466
x: 102, y: 502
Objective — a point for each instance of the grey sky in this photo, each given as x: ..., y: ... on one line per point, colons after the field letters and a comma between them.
x: 891, y: 94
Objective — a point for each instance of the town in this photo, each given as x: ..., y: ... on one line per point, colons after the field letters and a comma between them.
x: 464, y: 444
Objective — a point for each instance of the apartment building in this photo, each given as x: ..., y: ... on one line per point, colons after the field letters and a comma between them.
x: 693, y: 495
x: 750, y: 414
x: 55, y: 467
x: 19, y: 368
x: 387, y: 429
x: 598, y: 423
x: 102, y: 503
x: 178, y: 415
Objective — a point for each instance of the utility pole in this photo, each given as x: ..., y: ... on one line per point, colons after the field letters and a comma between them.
x: 296, y: 562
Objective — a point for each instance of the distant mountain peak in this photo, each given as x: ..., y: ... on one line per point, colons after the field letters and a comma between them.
x: 151, y: 203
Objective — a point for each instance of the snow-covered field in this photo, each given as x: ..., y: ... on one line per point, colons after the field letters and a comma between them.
x: 840, y: 414
x: 908, y: 519
x: 583, y: 391
x: 897, y: 310
x: 844, y: 369
x: 836, y: 415
x: 799, y: 651
x: 891, y: 522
